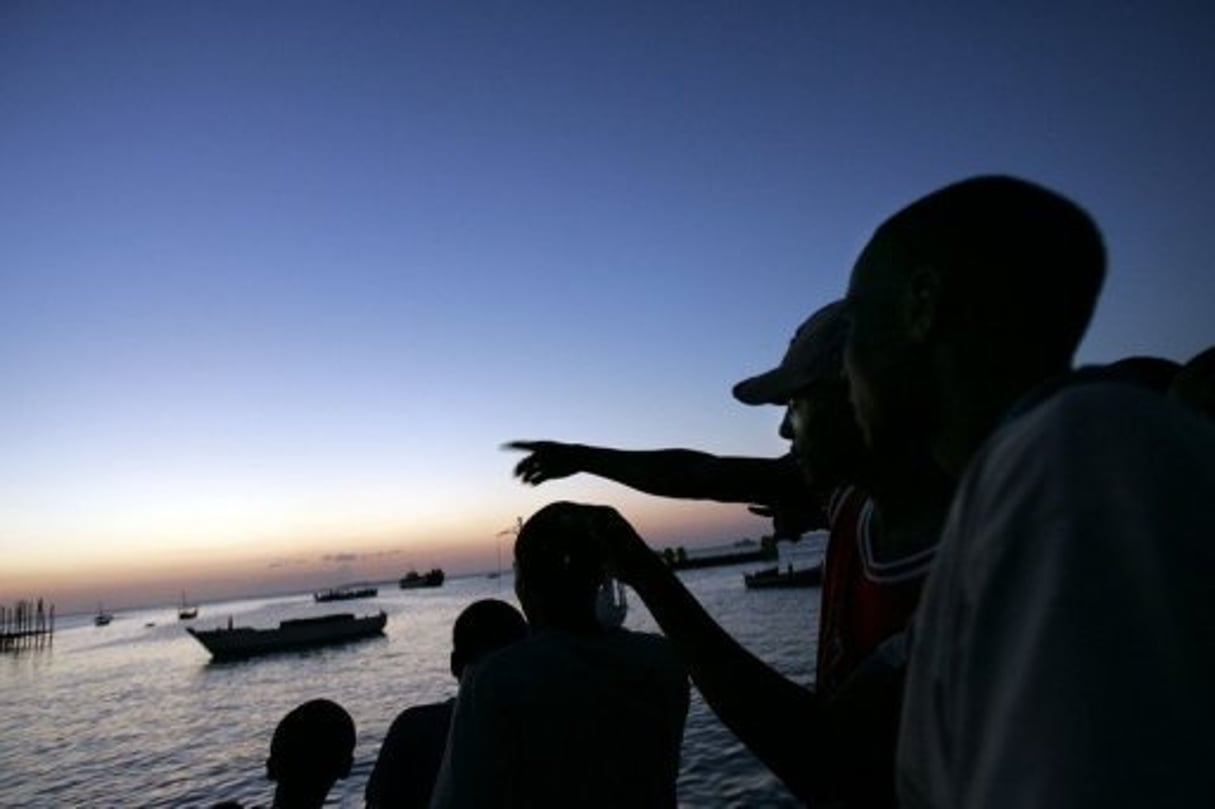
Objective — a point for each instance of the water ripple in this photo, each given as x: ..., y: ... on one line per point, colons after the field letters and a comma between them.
x: 131, y: 715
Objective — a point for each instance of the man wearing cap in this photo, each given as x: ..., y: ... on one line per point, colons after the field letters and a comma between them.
x: 870, y: 588
x: 792, y: 491
x: 878, y: 555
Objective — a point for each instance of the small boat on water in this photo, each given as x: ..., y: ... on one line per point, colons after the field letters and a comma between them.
x: 414, y: 579
x: 774, y: 577
x: 102, y: 618
x: 344, y: 594
x: 186, y: 612
x: 299, y: 633
x: 740, y: 553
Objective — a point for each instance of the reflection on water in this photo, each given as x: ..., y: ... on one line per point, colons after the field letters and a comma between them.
x: 130, y: 715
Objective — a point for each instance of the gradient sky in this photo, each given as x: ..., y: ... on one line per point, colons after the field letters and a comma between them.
x: 277, y: 278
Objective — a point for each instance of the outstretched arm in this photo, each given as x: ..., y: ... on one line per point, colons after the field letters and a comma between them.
x: 681, y: 473
x: 780, y: 721
x: 775, y: 484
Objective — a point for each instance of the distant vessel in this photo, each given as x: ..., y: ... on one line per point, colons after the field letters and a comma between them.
x: 186, y: 612
x: 300, y: 633
x: 774, y: 577
x: 414, y: 579
x: 102, y: 618
x: 740, y: 553
x: 344, y: 594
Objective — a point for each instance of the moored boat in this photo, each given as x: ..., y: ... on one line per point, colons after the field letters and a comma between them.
x: 344, y: 594
x: 431, y: 578
x: 740, y: 553
x: 102, y: 618
x: 298, y: 633
x: 186, y: 612
x: 774, y: 577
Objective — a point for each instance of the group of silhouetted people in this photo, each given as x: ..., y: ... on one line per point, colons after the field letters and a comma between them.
x: 1019, y: 581
x: 557, y: 705
x: 1018, y: 578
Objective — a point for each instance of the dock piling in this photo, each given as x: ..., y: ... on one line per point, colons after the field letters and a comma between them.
x: 28, y: 624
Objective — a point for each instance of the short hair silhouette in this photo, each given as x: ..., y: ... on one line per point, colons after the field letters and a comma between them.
x: 484, y: 626
x: 409, y: 759
x: 313, y: 746
x: 577, y: 714
x: 1020, y: 265
x: 558, y: 566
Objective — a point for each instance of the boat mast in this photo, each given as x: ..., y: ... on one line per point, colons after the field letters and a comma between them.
x: 512, y: 531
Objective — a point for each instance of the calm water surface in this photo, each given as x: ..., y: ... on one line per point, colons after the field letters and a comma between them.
x: 131, y: 715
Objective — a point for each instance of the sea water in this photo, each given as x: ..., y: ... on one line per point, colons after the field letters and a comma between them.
x: 137, y: 715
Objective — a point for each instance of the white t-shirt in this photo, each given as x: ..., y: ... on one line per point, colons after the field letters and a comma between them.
x: 561, y: 719
x: 1064, y: 650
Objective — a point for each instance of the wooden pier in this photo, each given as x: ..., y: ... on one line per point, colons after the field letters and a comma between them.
x: 26, y: 625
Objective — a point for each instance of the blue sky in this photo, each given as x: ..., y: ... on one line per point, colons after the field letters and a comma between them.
x: 276, y: 279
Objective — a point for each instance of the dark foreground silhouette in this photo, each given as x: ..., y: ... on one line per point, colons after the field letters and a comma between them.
x: 408, y: 762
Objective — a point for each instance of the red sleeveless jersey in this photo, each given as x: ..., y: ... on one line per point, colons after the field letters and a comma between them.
x: 864, y: 601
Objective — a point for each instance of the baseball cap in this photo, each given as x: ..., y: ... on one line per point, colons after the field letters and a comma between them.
x: 815, y: 352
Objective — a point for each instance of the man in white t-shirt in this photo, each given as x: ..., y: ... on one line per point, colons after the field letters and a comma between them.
x: 1062, y: 653
x: 576, y: 714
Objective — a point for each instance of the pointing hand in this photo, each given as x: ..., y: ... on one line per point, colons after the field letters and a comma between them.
x: 548, y: 460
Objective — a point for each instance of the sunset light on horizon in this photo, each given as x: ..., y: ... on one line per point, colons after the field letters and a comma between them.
x: 278, y: 280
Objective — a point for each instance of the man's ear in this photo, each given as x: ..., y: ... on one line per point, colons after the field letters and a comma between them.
x: 922, y: 302
x: 457, y: 665
x: 344, y: 770
x: 271, y: 769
